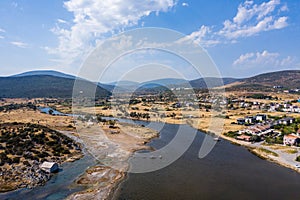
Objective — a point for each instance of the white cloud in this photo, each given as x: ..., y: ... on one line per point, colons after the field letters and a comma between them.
x: 184, y: 4
x: 253, y: 18
x: 250, y: 19
x: 202, y: 37
x: 263, y: 59
x: 284, y: 8
x: 93, y: 19
x: 61, y: 21
x: 2, y: 31
x: 20, y: 44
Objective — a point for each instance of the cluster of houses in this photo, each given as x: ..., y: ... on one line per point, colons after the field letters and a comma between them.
x: 286, y: 121
x: 262, y: 118
x: 252, y: 119
x: 271, y: 107
x: 259, y: 127
x: 290, y: 108
x: 262, y: 127
x: 259, y: 130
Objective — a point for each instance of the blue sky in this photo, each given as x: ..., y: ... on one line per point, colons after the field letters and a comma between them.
x: 243, y: 38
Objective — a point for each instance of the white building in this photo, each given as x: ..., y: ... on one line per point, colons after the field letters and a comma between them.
x: 261, y: 117
x: 291, y: 139
x: 49, y: 167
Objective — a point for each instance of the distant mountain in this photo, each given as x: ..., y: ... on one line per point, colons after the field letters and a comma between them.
x: 151, y: 89
x: 165, y: 82
x: 48, y: 83
x: 149, y: 85
x: 58, y: 74
x: 34, y: 86
x: 161, y: 84
x: 109, y: 88
x: 288, y: 79
x: 124, y: 83
x: 45, y: 73
x: 211, y: 82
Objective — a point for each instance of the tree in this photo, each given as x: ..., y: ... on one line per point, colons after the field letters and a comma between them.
x: 255, y: 138
x: 50, y: 112
x: 112, y: 122
x: 173, y: 115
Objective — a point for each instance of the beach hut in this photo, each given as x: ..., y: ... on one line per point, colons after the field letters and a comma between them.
x: 49, y: 167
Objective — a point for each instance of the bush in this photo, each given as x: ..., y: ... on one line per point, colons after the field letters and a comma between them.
x: 66, y: 151
x: 231, y: 134
x: 26, y: 163
x: 16, y: 160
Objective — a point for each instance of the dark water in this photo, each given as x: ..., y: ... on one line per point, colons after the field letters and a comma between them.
x: 228, y: 172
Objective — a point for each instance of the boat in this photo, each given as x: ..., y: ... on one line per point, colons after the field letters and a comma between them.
x: 217, y: 139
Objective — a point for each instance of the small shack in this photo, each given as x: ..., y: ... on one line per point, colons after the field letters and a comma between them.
x: 49, y: 167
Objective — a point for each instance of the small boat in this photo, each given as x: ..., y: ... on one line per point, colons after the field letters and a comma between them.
x: 217, y: 139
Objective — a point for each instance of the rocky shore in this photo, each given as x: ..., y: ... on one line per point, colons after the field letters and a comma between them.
x: 101, y: 181
x: 23, y: 176
x: 24, y: 147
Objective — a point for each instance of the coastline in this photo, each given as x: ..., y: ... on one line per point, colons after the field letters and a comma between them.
x: 98, y: 171
x: 135, y: 140
x: 269, y: 157
x: 26, y: 171
x: 253, y: 148
x: 104, y: 178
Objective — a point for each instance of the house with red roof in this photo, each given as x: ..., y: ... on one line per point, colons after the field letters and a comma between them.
x: 291, y: 139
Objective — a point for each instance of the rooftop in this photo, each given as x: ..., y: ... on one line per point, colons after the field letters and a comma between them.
x: 47, y: 164
x: 291, y: 136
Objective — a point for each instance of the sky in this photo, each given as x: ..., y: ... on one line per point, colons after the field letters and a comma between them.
x: 243, y: 38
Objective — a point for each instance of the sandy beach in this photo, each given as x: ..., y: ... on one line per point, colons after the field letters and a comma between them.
x: 112, y: 151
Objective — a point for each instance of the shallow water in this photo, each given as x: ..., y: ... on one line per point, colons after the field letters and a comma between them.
x: 59, y: 186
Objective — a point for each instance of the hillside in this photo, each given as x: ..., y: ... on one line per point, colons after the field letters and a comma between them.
x: 45, y: 73
x: 42, y: 86
x: 165, y: 82
x: 56, y: 84
x: 202, y: 83
x: 289, y: 79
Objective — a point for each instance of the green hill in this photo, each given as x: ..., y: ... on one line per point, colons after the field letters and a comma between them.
x: 43, y: 86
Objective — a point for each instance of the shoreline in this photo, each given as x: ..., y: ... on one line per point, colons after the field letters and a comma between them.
x: 253, y: 148
x: 102, y: 179
x: 92, y: 189
x: 269, y: 157
x: 26, y: 172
